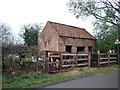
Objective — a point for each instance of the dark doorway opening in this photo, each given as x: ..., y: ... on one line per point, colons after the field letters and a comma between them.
x: 90, y: 48
x: 68, y: 48
x: 80, y: 49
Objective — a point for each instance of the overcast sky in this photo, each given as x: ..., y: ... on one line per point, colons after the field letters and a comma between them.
x: 19, y: 12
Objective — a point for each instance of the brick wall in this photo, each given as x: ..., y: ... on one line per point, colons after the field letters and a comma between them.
x: 75, y: 42
x: 48, y: 39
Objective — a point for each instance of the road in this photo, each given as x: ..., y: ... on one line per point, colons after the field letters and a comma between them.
x: 108, y: 80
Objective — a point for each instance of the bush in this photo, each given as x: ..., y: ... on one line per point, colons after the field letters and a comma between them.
x: 16, y: 60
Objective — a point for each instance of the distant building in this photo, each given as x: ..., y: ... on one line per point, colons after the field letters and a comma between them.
x: 65, y: 38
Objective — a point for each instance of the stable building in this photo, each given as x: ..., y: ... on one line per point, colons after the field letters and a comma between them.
x: 65, y: 38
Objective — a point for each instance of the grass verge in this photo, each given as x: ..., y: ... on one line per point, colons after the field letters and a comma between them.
x: 35, y: 80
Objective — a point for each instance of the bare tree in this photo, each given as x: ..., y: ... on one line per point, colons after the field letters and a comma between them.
x: 6, y: 34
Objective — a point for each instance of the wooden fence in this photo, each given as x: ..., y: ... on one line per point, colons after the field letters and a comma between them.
x: 74, y: 59
x: 107, y: 58
x: 59, y: 61
x: 63, y: 60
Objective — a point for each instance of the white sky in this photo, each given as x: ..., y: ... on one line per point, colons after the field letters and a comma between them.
x: 19, y: 12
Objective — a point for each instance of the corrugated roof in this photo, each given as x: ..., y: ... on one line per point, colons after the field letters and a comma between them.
x: 71, y: 31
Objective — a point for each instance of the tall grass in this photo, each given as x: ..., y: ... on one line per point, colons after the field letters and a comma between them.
x: 35, y: 80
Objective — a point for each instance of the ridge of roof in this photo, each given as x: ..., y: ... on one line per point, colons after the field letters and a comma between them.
x: 67, y: 25
x: 53, y: 27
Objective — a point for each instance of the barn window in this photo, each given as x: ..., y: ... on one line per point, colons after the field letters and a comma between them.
x: 80, y: 49
x: 68, y: 48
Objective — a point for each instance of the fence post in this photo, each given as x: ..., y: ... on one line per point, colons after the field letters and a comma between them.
x: 37, y: 65
x: 76, y: 57
x: 61, y: 58
x: 98, y: 58
x: 46, y: 62
x: 108, y: 59
x: 89, y: 59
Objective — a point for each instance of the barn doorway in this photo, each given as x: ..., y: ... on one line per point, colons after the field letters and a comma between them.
x: 90, y: 48
x: 80, y: 49
x: 68, y: 48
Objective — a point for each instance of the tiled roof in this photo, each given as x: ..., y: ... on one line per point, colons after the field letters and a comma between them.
x: 70, y: 31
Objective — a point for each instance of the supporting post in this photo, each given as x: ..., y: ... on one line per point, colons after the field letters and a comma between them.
x: 89, y: 59
x: 37, y: 65
x: 46, y: 62
x: 61, y: 58
x: 108, y: 59
x: 76, y: 57
x: 98, y: 58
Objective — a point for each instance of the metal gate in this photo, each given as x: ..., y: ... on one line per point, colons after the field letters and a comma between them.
x: 94, y: 60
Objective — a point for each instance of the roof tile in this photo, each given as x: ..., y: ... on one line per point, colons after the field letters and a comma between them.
x: 71, y: 31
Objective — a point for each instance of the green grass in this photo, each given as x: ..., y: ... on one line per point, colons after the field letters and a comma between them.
x: 35, y: 80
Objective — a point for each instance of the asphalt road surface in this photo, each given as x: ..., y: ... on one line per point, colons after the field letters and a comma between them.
x: 108, y: 80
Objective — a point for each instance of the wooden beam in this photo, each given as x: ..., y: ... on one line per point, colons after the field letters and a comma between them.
x: 54, y: 56
x: 82, y: 64
x: 68, y: 54
x: 68, y: 65
x: 82, y: 54
x: 68, y: 60
x: 113, y: 57
x: 82, y: 59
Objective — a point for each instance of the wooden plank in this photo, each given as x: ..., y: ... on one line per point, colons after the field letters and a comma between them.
x: 68, y: 65
x: 54, y: 56
x: 68, y: 60
x: 82, y: 59
x: 82, y: 54
x: 82, y: 64
x: 103, y: 58
x: 113, y: 53
x: 112, y: 61
x: 113, y: 57
x: 107, y: 58
x: 103, y: 53
x: 68, y: 54
x: 104, y: 62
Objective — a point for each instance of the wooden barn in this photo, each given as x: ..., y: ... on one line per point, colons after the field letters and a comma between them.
x: 65, y: 38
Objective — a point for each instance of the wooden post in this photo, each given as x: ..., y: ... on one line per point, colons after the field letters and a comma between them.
x: 76, y: 57
x: 37, y: 65
x: 108, y: 59
x: 98, y: 58
x: 46, y: 62
x: 61, y: 58
x: 89, y: 59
